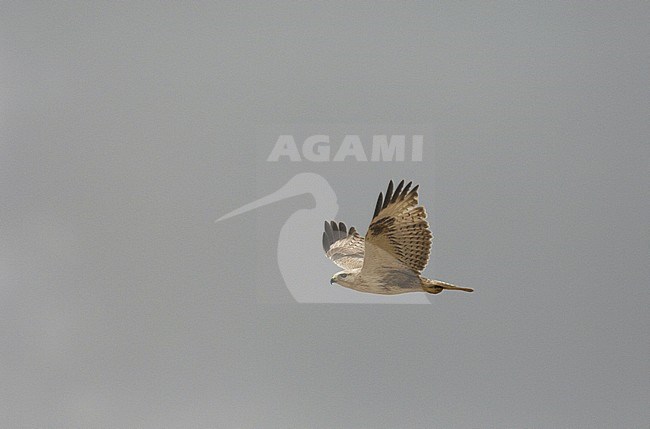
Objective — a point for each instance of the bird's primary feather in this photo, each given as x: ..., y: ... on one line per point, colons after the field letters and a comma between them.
x: 345, y: 248
x: 398, y: 235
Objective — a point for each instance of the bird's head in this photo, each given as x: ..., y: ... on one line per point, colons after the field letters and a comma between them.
x: 345, y: 278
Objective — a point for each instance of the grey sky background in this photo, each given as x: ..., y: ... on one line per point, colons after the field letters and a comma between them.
x: 127, y: 128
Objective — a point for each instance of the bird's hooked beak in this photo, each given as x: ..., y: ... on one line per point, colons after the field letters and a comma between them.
x: 332, y: 281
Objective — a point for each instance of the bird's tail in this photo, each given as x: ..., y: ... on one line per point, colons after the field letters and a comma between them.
x: 436, y: 286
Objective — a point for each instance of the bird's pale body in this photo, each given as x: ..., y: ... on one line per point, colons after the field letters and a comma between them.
x: 393, y: 283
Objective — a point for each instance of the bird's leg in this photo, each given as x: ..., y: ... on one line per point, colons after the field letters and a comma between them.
x: 437, y: 286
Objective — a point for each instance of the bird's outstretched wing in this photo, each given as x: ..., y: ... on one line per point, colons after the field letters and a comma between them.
x: 398, y: 237
x: 345, y: 248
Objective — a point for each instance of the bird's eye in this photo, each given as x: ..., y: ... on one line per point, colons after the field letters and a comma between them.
x: 343, y: 275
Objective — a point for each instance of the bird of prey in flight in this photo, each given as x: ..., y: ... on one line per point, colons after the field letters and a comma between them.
x: 395, y: 250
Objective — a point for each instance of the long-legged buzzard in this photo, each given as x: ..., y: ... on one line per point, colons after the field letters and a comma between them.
x: 394, y: 252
